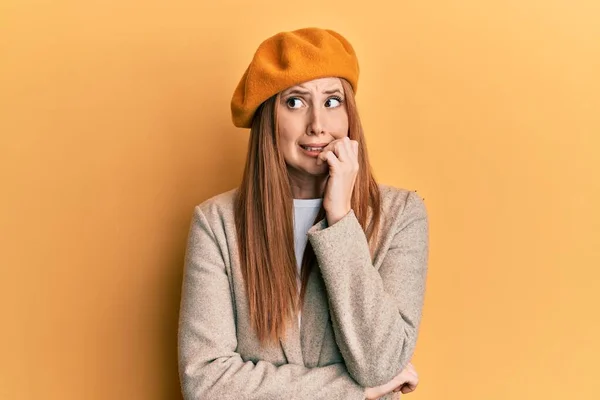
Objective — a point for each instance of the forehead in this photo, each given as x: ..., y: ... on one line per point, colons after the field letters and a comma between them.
x: 317, y: 85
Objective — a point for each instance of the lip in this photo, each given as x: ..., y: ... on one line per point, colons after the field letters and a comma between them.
x: 313, y: 144
x: 313, y: 154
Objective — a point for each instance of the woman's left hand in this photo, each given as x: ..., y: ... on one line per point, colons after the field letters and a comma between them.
x: 342, y: 157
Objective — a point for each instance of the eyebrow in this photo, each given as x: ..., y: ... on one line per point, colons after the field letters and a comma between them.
x: 298, y: 91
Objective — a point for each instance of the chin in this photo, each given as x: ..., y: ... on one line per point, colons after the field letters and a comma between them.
x: 312, y: 170
x: 307, y: 166
x: 317, y: 170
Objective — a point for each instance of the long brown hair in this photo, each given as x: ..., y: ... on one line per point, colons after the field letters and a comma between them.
x: 265, y: 225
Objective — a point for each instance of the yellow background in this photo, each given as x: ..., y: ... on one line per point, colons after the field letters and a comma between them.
x: 115, y: 122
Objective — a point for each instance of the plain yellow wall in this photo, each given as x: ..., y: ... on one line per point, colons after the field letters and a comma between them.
x: 115, y: 123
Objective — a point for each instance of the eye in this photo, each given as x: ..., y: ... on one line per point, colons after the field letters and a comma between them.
x: 293, y: 102
x: 333, y: 102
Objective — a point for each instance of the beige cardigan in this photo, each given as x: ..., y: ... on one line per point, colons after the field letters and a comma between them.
x: 360, y: 318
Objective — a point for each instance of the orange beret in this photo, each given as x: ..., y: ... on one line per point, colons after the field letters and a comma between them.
x: 290, y: 58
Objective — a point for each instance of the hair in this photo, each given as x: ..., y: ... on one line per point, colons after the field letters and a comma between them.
x: 265, y: 225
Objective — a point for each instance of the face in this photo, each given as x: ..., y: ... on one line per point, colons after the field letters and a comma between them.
x: 309, y: 117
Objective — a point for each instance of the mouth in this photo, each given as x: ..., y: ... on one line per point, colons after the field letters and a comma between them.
x: 314, y: 146
x: 313, y: 149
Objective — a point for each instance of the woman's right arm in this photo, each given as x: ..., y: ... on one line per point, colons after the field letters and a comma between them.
x: 209, y: 367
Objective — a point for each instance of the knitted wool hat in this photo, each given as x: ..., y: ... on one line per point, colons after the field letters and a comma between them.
x: 290, y: 58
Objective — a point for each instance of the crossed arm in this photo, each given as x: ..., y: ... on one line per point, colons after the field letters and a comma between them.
x: 375, y: 315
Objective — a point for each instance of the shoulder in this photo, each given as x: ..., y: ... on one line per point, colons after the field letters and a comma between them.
x: 401, y: 203
x: 219, y: 207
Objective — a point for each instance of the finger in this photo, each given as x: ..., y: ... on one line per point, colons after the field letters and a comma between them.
x: 410, y: 385
x: 348, y: 155
x: 355, y: 146
x: 331, y: 160
x: 322, y: 157
x: 341, y: 149
x: 333, y: 144
x: 407, y: 389
x: 349, y: 147
x: 330, y: 147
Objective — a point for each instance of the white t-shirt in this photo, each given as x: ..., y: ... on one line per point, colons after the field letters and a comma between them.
x: 305, y: 212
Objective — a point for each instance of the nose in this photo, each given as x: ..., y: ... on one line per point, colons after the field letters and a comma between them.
x: 315, y: 123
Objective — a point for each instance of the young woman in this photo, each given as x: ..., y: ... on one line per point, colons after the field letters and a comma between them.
x: 306, y: 281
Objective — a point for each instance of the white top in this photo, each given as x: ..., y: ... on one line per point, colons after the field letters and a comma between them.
x: 305, y: 212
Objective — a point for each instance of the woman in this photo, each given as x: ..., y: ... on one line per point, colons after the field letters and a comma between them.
x: 307, y: 281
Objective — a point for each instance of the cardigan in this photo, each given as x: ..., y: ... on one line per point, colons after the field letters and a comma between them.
x: 360, y: 317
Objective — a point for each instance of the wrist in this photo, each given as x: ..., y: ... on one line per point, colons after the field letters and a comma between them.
x: 333, y: 217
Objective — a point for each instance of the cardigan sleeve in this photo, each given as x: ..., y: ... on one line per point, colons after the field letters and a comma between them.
x: 375, y: 313
x: 209, y: 366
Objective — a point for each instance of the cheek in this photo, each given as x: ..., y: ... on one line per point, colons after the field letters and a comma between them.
x: 339, y: 125
x: 289, y: 132
x: 286, y: 139
x: 287, y: 144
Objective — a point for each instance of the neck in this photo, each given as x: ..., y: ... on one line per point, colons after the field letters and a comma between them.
x: 306, y: 186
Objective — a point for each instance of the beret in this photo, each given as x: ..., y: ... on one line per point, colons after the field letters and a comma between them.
x: 290, y: 58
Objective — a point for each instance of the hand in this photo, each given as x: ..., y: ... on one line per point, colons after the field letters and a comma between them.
x: 411, y: 380
x: 341, y: 155
x: 405, y: 382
